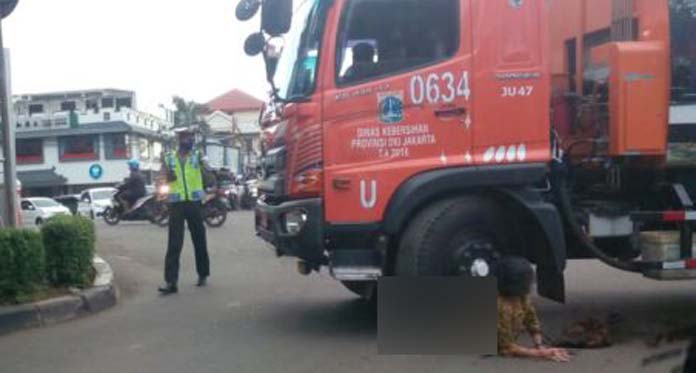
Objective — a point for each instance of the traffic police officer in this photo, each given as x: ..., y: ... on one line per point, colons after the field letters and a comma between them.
x: 184, y: 171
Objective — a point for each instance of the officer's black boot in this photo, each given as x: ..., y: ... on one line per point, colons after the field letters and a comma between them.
x: 168, y: 289
x: 202, y: 282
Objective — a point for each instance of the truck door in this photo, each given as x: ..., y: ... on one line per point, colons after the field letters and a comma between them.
x: 397, y: 99
x: 512, y: 82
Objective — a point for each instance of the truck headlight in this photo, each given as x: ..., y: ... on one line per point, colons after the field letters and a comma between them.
x: 295, y: 221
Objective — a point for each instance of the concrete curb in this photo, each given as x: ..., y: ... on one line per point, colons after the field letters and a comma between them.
x: 101, y: 296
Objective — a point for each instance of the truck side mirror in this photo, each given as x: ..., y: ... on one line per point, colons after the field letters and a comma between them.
x: 276, y: 16
x: 254, y: 44
x: 246, y: 9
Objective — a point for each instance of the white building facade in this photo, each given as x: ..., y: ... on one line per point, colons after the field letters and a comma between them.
x: 70, y: 141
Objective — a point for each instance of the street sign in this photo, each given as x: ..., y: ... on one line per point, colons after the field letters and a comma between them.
x: 96, y: 172
x: 6, y: 7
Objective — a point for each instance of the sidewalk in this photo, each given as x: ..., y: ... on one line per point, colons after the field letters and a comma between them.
x: 101, y: 296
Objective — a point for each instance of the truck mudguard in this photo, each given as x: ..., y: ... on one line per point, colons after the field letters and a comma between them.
x: 512, y: 181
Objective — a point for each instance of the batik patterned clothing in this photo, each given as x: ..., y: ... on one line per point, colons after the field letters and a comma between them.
x: 515, y: 315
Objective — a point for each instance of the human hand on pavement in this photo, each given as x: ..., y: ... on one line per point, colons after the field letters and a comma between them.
x: 559, y: 355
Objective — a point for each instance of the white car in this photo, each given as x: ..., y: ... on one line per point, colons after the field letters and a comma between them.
x: 35, y: 211
x: 97, y: 200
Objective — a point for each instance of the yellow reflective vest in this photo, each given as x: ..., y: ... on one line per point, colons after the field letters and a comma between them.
x: 188, y: 185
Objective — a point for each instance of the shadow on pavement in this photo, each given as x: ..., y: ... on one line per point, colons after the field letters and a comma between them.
x: 351, y: 318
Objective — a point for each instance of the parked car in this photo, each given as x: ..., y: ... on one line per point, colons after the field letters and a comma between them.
x: 35, y: 211
x: 98, y: 200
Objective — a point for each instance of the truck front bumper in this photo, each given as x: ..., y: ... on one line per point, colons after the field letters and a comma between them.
x: 294, y: 228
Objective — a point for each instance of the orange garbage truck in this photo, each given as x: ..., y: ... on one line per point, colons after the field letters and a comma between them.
x: 431, y: 138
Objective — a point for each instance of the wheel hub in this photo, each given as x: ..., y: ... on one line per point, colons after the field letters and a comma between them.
x: 480, y: 268
x: 476, y: 260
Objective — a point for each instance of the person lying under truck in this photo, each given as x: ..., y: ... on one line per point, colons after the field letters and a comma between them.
x: 516, y: 313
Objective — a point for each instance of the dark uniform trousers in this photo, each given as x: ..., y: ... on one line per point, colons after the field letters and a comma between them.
x: 192, y: 213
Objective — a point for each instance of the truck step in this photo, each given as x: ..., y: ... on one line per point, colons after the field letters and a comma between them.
x: 356, y: 273
x: 671, y: 270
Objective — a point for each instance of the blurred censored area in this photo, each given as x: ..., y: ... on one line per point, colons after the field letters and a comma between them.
x: 437, y: 316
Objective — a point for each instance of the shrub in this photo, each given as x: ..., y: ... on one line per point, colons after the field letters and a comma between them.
x: 69, y: 243
x: 22, y: 263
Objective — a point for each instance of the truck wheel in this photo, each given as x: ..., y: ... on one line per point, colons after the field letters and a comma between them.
x: 364, y: 289
x: 457, y: 237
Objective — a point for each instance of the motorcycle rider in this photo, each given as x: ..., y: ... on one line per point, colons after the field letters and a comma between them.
x: 133, y: 188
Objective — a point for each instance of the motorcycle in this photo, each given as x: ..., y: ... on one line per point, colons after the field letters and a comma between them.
x: 250, y: 194
x: 144, y: 209
x: 243, y: 194
x: 215, y: 208
x: 232, y: 194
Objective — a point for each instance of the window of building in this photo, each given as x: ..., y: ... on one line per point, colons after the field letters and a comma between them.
x: 30, y: 151
x: 107, y: 116
x: 385, y: 37
x: 67, y: 106
x: 116, y: 146
x: 92, y: 105
x: 78, y: 148
x: 144, y: 148
x: 107, y: 102
x: 126, y: 102
x: 61, y: 121
x: 36, y: 109
x: 157, y: 151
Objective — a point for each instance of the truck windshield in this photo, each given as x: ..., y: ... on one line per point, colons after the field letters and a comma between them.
x: 297, y: 66
x: 683, y: 23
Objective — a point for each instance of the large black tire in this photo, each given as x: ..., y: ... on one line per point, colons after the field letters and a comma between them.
x: 456, y: 237
x: 365, y: 290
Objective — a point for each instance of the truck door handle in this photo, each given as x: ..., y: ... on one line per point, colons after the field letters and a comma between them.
x: 451, y: 112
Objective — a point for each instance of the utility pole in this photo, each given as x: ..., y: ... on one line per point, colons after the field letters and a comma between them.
x: 8, y: 143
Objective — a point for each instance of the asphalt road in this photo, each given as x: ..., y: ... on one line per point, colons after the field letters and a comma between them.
x: 259, y: 315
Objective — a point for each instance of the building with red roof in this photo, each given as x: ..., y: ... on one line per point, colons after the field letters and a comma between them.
x: 235, y: 101
x: 234, y: 116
